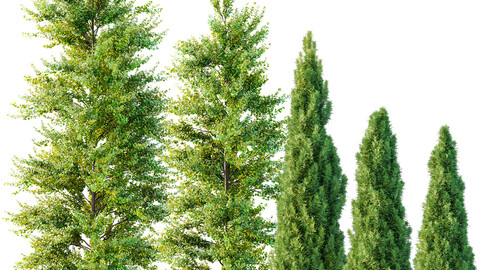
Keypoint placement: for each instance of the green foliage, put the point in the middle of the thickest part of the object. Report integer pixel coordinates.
(312, 186)
(382, 235)
(95, 177)
(222, 146)
(443, 242)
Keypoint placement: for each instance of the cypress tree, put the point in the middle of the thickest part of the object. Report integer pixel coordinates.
(222, 145)
(443, 242)
(94, 175)
(312, 186)
(381, 238)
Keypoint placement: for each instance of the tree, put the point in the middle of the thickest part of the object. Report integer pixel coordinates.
(312, 186)
(97, 183)
(443, 242)
(222, 145)
(382, 235)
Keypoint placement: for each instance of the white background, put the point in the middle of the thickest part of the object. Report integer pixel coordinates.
(419, 59)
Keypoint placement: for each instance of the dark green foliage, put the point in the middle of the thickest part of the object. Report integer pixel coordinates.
(381, 238)
(97, 183)
(222, 146)
(312, 186)
(443, 242)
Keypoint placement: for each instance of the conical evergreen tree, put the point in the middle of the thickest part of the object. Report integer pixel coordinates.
(443, 236)
(312, 187)
(381, 238)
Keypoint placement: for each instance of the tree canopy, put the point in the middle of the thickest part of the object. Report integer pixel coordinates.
(312, 186)
(381, 237)
(222, 146)
(443, 241)
(95, 175)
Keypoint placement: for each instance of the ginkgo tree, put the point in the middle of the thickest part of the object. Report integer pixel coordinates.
(95, 175)
(222, 146)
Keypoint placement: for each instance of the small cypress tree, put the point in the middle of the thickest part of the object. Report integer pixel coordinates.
(312, 187)
(443, 242)
(382, 235)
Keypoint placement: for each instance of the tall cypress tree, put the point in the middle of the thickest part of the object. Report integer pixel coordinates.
(381, 238)
(95, 177)
(312, 186)
(443, 242)
(223, 144)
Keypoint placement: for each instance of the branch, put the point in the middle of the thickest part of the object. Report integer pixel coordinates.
(204, 131)
(219, 176)
(80, 246)
(235, 182)
(93, 204)
(86, 246)
(224, 105)
(111, 228)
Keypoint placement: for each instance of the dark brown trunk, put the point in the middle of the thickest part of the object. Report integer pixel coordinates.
(226, 172)
(93, 29)
(93, 203)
